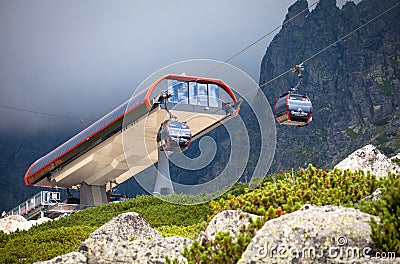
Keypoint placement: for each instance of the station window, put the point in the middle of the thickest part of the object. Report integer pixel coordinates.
(194, 93)
(202, 98)
(198, 94)
(179, 91)
(213, 95)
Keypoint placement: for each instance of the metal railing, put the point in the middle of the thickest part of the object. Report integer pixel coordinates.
(44, 198)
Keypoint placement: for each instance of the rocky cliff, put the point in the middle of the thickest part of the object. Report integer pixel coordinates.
(354, 85)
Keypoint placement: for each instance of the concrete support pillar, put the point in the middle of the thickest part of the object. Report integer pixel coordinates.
(92, 194)
(163, 182)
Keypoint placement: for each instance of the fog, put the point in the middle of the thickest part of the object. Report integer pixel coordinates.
(82, 58)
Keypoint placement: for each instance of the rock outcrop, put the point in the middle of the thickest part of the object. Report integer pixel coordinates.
(396, 157)
(229, 220)
(314, 234)
(369, 158)
(127, 238)
(376, 195)
(138, 251)
(124, 227)
(69, 258)
(13, 223)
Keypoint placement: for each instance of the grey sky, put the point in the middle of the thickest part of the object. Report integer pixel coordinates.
(83, 58)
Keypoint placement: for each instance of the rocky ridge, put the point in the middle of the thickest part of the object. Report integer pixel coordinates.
(369, 158)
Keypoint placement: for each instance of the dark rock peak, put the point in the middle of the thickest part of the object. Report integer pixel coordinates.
(327, 5)
(296, 8)
(349, 6)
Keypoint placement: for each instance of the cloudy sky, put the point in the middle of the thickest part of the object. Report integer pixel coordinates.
(83, 58)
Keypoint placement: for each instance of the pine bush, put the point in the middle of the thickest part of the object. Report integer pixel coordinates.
(386, 232)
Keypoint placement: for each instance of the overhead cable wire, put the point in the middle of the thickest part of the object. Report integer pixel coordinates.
(334, 43)
(263, 37)
(45, 113)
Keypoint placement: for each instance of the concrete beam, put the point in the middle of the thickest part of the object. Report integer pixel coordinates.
(163, 182)
(92, 195)
(71, 168)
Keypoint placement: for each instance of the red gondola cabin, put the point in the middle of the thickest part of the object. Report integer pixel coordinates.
(293, 110)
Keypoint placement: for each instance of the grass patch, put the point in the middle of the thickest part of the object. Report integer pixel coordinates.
(33, 245)
(386, 86)
(353, 134)
(190, 232)
(382, 138)
(381, 122)
(386, 233)
(322, 133)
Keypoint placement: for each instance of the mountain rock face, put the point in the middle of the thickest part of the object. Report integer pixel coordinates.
(369, 158)
(354, 85)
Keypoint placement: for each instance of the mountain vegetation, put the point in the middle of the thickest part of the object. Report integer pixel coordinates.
(277, 195)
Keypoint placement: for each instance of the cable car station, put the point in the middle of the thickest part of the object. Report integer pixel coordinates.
(166, 116)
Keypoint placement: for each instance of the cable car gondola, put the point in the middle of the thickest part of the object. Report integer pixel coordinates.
(174, 136)
(294, 109)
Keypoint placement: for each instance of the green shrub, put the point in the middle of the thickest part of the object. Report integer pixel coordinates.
(30, 246)
(148, 207)
(396, 160)
(287, 192)
(381, 122)
(190, 232)
(386, 233)
(277, 194)
(224, 249)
